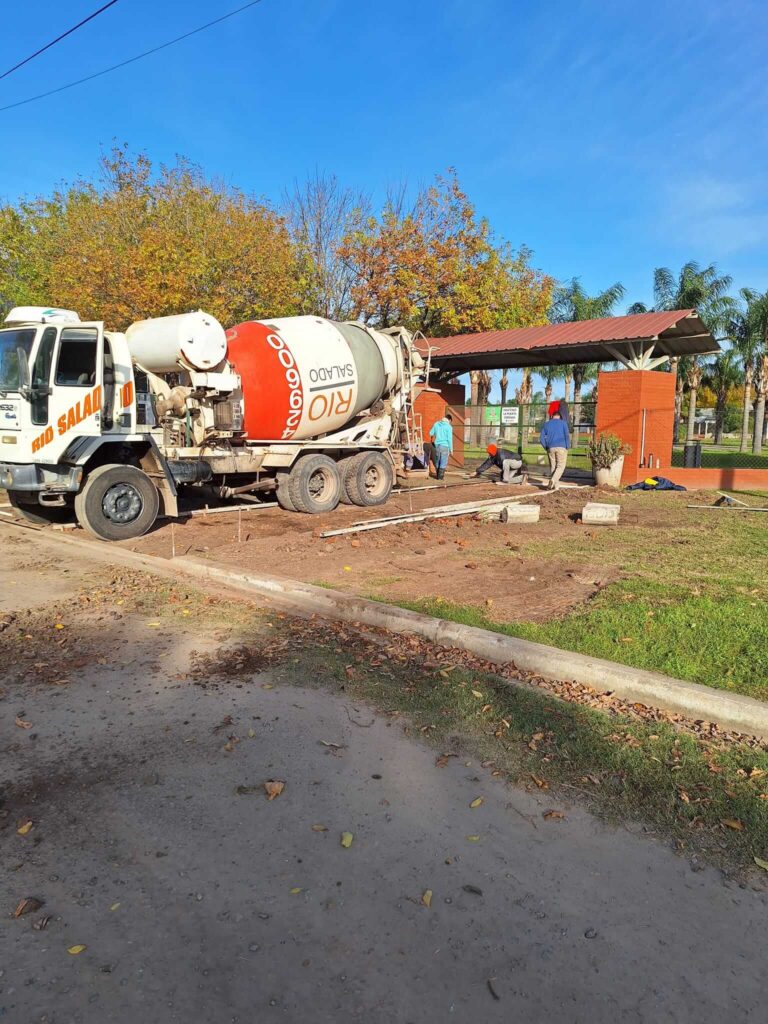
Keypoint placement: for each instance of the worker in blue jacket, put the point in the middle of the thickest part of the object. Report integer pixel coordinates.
(555, 440)
(442, 440)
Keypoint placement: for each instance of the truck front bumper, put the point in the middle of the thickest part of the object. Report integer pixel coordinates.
(32, 477)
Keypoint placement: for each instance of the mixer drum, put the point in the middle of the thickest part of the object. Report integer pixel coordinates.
(304, 376)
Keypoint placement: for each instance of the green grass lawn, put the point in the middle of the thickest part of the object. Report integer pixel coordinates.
(724, 458)
(690, 600)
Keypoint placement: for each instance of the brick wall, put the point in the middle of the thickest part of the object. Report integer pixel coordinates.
(433, 405)
(624, 399)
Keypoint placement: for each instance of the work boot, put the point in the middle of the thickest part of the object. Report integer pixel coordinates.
(440, 473)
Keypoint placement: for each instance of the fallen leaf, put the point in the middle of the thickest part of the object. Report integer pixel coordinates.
(27, 906)
(426, 898)
(484, 708)
(761, 863)
(346, 839)
(76, 950)
(472, 839)
(273, 789)
(473, 890)
(114, 906)
(540, 782)
(25, 828)
(756, 773)
(553, 815)
(476, 802)
(251, 733)
(42, 923)
(267, 686)
(733, 823)
(347, 568)
(476, 693)
(442, 760)
(296, 890)
(22, 724)
(319, 828)
(59, 625)
(153, 624)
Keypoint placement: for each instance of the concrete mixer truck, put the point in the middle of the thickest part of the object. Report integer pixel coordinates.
(114, 428)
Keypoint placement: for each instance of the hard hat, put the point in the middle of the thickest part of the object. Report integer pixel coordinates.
(491, 449)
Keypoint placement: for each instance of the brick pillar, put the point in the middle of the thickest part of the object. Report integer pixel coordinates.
(433, 405)
(624, 399)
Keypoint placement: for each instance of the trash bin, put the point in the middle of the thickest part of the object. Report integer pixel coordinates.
(692, 455)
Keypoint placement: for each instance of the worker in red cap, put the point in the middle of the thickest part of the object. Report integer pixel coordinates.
(510, 464)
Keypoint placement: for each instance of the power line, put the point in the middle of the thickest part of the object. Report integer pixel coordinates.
(131, 60)
(57, 39)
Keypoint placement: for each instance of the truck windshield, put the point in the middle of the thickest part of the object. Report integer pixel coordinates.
(10, 343)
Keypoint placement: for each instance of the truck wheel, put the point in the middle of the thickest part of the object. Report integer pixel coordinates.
(283, 492)
(368, 479)
(41, 515)
(314, 484)
(117, 503)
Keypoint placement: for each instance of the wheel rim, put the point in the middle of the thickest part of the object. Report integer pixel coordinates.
(320, 485)
(122, 503)
(373, 480)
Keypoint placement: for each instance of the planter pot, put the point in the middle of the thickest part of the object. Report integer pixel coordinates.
(610, 477)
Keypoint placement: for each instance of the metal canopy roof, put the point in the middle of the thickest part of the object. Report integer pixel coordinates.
(639, 341)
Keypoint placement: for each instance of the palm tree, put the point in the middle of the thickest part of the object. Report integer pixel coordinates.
(503, 385)
(706, 291)
(722, 375)
(570, 302)
(746, 336)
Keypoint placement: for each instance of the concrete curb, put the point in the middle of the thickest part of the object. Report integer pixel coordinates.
(729, 711)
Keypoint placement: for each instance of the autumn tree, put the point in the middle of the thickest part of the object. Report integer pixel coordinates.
(435, 267)
(136, 244)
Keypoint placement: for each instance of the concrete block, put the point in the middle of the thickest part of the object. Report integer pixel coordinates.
(520, 514)
(595, 513)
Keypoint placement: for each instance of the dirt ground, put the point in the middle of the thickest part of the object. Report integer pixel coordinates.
(171, 889)
(466, 559)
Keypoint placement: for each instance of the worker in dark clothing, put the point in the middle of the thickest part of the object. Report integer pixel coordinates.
(510, 464)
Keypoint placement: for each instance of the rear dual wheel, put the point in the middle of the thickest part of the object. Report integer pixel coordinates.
(368, 479)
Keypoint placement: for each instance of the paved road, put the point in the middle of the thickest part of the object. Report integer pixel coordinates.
(199, 904)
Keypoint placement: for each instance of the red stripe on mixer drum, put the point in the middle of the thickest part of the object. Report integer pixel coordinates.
(273, 395)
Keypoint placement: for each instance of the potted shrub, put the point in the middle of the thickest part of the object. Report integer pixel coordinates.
(607, 454)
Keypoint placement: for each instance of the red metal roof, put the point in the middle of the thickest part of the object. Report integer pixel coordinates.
(677, 332)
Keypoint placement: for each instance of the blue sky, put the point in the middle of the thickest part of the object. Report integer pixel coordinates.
(608, 137)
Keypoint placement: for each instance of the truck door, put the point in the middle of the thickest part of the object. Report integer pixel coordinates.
(77, 385)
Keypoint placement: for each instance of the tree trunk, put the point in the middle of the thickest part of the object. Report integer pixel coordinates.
(576, 409)
(474, 412)
(548, 391)
(504, 384)
(757, 436)
(693, 392)
(568, 388)
(746, 403)
(720, 418)
(674, 367)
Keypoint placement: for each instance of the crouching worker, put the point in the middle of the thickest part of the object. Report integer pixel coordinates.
(442, 441)
(510, 463)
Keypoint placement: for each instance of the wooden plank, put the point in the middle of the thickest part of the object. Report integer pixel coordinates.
(727, 508)
(230, 508)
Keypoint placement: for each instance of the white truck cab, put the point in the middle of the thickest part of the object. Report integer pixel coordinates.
(63, 381)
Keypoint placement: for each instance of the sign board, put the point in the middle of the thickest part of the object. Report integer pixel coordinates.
(510, 415)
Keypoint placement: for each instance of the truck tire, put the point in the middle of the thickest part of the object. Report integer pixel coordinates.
(117, 503)
(368, 479)
(314, 484)
(41, 515)
(283, 492)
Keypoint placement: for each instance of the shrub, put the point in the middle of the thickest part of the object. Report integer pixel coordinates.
(606, 449)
